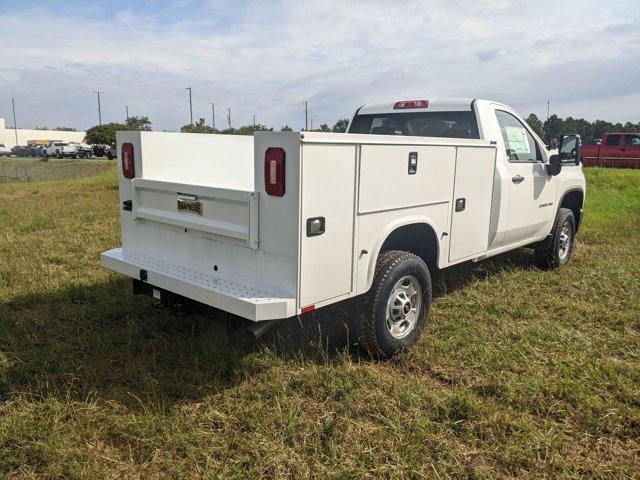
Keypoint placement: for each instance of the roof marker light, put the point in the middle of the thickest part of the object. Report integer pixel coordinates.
(411, 104)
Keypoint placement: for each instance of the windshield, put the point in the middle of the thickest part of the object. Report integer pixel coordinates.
(420, 124)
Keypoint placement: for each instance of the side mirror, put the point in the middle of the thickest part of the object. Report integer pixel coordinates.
(553, 144)
(570, 150)
(554, 167)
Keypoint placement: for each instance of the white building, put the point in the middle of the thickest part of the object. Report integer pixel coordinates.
(8, 135)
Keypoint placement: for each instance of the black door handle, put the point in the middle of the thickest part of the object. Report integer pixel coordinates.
(517, 179)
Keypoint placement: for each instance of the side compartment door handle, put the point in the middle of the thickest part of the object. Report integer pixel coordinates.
(315, 226)
(517, 179)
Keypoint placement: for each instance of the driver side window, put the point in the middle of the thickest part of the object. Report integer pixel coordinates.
(519, 143)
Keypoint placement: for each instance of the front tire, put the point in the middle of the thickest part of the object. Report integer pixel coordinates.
(562, 241)
(396, 307)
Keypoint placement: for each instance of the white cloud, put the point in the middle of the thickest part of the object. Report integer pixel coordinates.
(264, 59)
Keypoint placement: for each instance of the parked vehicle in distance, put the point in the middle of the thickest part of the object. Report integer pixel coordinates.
(111, 152)
(24, 151)
(284, 223)
(4, 151)
(614, 150)
(98, 150)
(84, 150)
(60, 150)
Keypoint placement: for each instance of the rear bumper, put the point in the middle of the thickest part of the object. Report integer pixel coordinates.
(252, 303)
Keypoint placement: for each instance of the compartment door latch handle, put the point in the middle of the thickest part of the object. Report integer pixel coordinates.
(315, 226)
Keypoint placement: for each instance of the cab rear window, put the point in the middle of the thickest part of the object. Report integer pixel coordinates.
(419, 124)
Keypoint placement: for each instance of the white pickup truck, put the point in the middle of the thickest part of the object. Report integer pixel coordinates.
(283, 223)
(61, 150)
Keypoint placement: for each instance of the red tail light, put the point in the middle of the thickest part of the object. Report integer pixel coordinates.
(411, 104)
(274, 171)
(128, 163)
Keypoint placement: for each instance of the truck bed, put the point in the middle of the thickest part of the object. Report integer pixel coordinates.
(250, 253)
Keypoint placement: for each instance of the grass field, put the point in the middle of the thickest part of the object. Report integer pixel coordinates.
(520, 373)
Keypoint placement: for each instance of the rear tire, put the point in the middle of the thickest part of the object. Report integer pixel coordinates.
(396, 308)
(562, 241)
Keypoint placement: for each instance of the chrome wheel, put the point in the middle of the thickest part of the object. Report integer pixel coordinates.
(403, 307)
(564, 243)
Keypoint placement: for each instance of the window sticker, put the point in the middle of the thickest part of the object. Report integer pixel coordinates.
(517, 139)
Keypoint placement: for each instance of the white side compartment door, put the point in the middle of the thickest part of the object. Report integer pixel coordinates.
(471, 204)
(328, 192)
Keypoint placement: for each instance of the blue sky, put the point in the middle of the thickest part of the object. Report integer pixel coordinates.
(264, 58)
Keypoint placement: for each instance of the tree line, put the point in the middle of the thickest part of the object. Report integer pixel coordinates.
(106, 133)
(553, 127)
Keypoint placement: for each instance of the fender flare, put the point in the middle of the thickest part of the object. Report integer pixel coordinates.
(567, 192)
(389, 229)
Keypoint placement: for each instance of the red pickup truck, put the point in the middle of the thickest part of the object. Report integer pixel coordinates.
(615, 150)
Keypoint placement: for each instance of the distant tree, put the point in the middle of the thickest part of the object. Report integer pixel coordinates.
(536, 125)
(286, 128)
(139, 123)
(40, 128)
(104, 134)
(324, 128)
(553, 127)
(249, 129)
(198, 127)
(65, 129)
(340, 126)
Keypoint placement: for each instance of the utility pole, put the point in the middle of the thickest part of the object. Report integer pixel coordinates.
(99, 107)
(15, 124)
(190, 105)
(254, 120)
(126, 107)
(312, 124)
(229, 117)
(213, 115)
(547, 109)
(306, 115)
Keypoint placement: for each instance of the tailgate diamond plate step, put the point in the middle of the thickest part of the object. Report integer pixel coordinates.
(244, 300)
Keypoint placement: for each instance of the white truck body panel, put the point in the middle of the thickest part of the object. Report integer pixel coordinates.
(251, 254)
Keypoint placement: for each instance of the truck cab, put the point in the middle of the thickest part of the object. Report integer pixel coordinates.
(620, 150)
(284, 223)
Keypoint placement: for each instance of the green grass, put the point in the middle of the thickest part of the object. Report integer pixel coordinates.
(521, 373)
